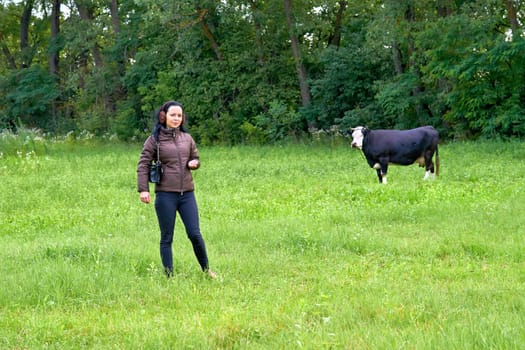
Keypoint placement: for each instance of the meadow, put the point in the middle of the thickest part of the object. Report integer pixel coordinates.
(311, 251)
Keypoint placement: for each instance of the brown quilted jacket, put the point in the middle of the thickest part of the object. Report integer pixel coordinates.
(177, 148)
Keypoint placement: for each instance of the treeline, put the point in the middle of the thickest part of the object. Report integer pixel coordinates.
(259, 71)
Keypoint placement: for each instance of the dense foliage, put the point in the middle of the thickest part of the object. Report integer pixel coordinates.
(261, 71)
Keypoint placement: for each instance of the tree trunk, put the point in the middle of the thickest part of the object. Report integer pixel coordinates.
(335, 39)
(54, 55)
(421, 107)
(25, 22)
(118, 93)
(86, 14)
(7, 53)
(115, 19)
(107, 105)
(397, 58)
(209, 35)
(83, 69)
(55, 30)
(257, 29)
(513, 18)
(301, 71)
(444, 8)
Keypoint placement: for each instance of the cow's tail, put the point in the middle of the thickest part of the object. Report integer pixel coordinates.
(437, 161)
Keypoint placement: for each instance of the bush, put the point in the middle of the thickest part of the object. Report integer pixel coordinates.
(28, 95)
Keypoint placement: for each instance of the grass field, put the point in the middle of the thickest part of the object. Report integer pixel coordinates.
(312, 252)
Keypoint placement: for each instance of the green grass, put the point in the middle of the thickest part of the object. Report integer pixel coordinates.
(312, 252)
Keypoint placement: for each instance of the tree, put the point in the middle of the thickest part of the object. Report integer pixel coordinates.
(263, 71)
(335, 37)
(25, 22)
(54, 50)
(7, 29)
(301, 71)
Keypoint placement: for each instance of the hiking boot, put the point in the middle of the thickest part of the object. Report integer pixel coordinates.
(211, 274)
(168, 272)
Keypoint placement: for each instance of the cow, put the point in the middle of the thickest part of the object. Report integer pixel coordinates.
(401, 147)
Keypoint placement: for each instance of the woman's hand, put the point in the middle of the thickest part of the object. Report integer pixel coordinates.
(193, 164)
(145, 197)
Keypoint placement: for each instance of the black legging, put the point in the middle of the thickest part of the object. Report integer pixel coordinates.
(167, 204)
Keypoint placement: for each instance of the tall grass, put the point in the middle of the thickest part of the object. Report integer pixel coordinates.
(311, 251)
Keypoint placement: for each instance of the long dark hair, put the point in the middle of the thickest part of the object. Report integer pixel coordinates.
(160, 117)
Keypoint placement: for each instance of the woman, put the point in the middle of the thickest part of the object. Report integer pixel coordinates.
(179, 156)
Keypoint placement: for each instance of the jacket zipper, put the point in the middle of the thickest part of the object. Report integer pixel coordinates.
(176, 134)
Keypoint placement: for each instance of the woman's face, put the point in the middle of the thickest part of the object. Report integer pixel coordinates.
(174, 117)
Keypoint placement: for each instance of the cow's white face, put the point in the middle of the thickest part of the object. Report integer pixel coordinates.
(357, 137)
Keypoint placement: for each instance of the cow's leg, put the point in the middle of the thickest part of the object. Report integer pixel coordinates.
(429, 165)
(379, 175)
(384, 168)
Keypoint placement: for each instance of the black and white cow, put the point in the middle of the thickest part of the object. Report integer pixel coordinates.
(402, 147)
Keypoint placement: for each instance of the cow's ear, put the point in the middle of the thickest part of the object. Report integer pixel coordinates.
(365, 130)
